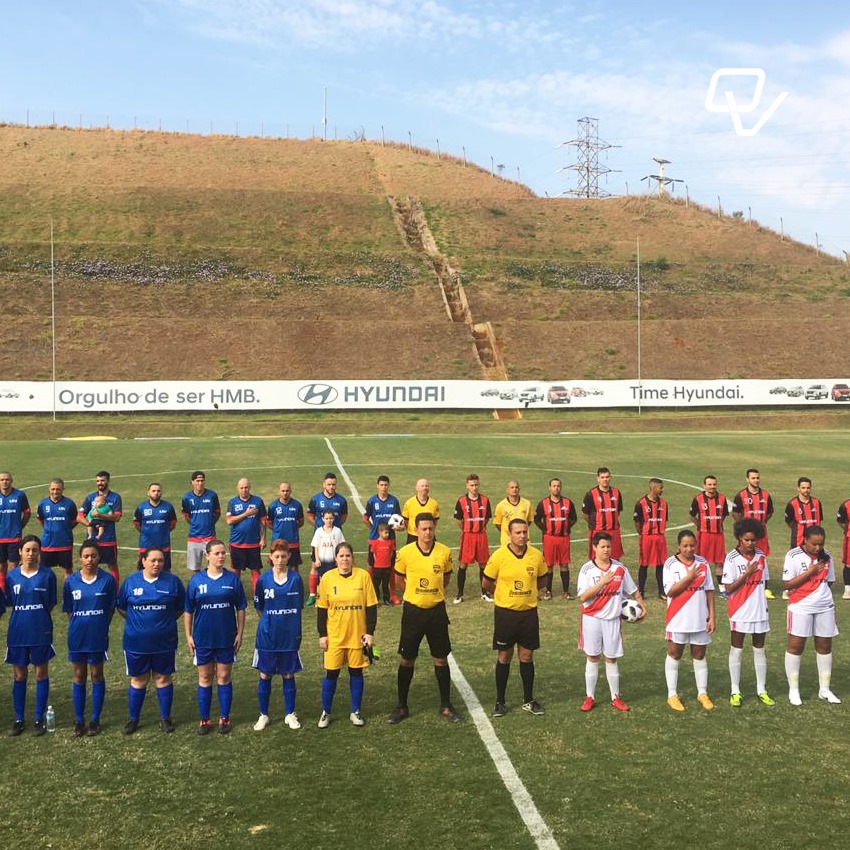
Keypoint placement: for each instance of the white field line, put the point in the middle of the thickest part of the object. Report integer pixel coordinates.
(531, 817)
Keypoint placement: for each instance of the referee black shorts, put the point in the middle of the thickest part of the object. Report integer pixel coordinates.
(429, 623)
(515, 628)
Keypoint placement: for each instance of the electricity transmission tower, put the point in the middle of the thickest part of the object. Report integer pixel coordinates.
(588, 169)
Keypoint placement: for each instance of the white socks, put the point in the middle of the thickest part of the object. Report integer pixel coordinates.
(671, 674)
(735, 668)
(612, 674)
(701, 676)
(591, 676)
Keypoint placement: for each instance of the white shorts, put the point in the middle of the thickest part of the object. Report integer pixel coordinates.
(195, 553)
(821, 624)
(600, 637)
(750, 627)
(702, 638)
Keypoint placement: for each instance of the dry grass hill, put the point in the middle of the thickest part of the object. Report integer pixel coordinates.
(181, 256)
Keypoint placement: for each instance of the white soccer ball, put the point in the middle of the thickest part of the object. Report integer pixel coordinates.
(396, 522)
(631, 611)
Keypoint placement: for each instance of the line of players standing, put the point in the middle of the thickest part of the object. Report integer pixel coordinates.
(249, 520)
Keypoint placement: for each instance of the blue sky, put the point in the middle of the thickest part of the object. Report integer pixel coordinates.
(507, 81)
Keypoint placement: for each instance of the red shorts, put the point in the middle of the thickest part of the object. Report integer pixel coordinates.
(845, 558)
(764, 545)
(556, 551)
(653, 550)
(474, 548)
(616, 543)
(711, 545)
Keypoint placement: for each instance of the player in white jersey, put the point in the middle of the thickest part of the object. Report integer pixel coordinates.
(603, 585)
(745, 576)
(689, 588)
(807, 575)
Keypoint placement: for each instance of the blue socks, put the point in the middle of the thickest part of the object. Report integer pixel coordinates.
(42, 694)
(135, 701)
(204, 701)
(165, 696)
(225, 698)
(78, 692)
(356, 684)
(98, 695)
(19, 699)
(328, 691)
(289, 695)
(264, 694)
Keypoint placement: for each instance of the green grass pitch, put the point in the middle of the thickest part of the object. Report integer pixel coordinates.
(752, 777)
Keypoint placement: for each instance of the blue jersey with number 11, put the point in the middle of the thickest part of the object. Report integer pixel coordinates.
(213, 602)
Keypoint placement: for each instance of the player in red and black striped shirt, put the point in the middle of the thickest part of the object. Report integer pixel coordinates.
(843, 519)
(472, 513)
(555, 516)
(601, 509)
(709, 509)
(650, 518)
(802, 511)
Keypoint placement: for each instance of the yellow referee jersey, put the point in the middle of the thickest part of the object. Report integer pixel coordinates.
(515, 577)
(424, 574)
(413, 507)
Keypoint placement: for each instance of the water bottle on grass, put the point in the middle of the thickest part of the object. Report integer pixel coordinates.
(50, 719)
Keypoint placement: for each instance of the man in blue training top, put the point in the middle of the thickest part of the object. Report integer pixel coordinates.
(328, 499)
(155, 520)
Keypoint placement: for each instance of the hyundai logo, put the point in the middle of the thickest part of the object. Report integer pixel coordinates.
(317, 394)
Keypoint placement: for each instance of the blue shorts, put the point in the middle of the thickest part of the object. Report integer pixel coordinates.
(217, 655)
(139, 663)
(10, 552)
(277, 663)
(23, 656)
(88, 657)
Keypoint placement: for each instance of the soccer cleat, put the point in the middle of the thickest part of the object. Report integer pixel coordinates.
(39, 728)
(619, 705)
(769, 594)
(324, 720)
(166, 724)
(457, 600)
(829, 696)
(94, 729)
(130, 727)
(705, 701)
(291, 720)
(356, 719)
(499, 710)
(533, 707)
(204, 727)
(263, 721)
(675, 703)
(588, 704)
(794, 697)
(79, 730)
(311, 600)
(486, 597)
(17, 729)
(785, 595)
(566, 595)
(736, 700)
(225, 727)
(400, 712)
(395, 600)
(449, 713)
(547, 595)
(662, 597)
(387, 603)
(765, 699)
(846, 593)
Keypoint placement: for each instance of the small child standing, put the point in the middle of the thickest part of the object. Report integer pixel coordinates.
(381, 563)
(324, 543)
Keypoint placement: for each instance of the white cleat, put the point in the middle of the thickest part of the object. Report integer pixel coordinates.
(829, 696)
(292, 721)
(356, 719)
(324, 720)
(794, 697)
(262, 722)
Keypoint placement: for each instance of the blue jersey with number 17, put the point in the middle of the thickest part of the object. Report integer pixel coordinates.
(213, 602)
(90, 606)
(31, 599)
(279, 605)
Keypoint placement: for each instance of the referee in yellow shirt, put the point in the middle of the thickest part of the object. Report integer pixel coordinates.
(424, 569)
(514, 575)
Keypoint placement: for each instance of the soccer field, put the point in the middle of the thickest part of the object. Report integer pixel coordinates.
(748, 777)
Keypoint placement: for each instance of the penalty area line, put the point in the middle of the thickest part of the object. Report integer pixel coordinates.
(520, 797)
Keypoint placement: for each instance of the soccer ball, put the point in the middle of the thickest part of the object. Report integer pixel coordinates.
(396, 522)
(631, 611)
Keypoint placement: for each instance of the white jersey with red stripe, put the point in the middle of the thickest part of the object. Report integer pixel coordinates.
(813, 596)
(608, 603)
(747, 604)
(687, 612)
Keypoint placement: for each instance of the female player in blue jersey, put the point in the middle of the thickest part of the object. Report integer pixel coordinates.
(214, 621)
(30, 596)
(88, 598)
(151, 601)
(279, 600)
